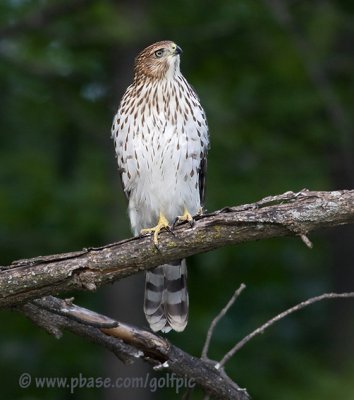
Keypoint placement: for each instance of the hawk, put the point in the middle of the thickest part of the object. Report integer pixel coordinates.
(161, 140)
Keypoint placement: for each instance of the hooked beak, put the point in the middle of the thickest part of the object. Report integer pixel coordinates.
(178, 50)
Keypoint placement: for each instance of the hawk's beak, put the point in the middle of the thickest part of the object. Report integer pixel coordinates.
(178, 50)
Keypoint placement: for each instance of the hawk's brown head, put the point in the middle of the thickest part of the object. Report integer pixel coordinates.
(158, 61)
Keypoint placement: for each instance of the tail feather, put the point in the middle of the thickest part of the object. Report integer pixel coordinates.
(166, 297)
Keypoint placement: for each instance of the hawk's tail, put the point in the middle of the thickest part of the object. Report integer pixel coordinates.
(166, 297)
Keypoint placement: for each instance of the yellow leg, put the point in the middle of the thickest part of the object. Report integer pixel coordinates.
(186, 217)
(162, 224)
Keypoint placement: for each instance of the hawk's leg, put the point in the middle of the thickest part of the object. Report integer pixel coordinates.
(162, 224)
(186, 217)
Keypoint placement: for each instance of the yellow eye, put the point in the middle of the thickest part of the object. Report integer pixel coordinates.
(159, 53)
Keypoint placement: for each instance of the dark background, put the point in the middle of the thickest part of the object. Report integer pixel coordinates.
(276, 80)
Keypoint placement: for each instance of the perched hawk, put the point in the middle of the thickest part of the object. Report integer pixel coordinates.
(161, 139)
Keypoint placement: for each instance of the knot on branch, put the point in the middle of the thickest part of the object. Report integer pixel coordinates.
(86, 279)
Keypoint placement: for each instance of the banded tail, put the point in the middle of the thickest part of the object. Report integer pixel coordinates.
(166, 297)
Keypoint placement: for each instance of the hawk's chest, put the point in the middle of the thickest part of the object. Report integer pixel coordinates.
(160, 135)
(163, 124)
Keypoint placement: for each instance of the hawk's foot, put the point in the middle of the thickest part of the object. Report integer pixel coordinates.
(162, 224)
(186, 217)
(200, 211)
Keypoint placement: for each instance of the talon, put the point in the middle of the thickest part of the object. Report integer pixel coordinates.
(175, 223)
(170, 229)
(186, 217)
(162, 224)
(200, 211)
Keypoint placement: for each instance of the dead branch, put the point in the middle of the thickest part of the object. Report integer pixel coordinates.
(221, 364)
(129, 343)
(289, 214)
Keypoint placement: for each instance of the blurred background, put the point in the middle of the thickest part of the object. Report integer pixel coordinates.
(276, 80)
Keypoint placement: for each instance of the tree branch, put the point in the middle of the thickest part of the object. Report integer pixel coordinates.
(130, 343)
(288, 214)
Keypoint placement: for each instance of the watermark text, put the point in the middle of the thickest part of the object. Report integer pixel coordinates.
(73, 383)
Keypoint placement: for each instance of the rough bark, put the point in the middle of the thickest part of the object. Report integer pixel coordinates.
(24, 283)
(288, 214)
(130, 343)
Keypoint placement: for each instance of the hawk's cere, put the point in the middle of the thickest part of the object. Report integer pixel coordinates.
(161, 140)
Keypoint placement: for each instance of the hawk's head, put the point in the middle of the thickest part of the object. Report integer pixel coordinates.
(158, 61)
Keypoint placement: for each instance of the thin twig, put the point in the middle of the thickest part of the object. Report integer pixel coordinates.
(306, 240)
(218, 318)
(280, 316)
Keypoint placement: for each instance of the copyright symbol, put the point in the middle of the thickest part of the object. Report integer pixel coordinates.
(24, 380)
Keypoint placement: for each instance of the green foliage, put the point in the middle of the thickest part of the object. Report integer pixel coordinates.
(60, 83)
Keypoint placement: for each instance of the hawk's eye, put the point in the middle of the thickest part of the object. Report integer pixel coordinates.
(159, 53)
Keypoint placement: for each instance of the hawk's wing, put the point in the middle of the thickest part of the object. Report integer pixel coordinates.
(126, 192)
(119, 138)
(123, 144)
(202, 179)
